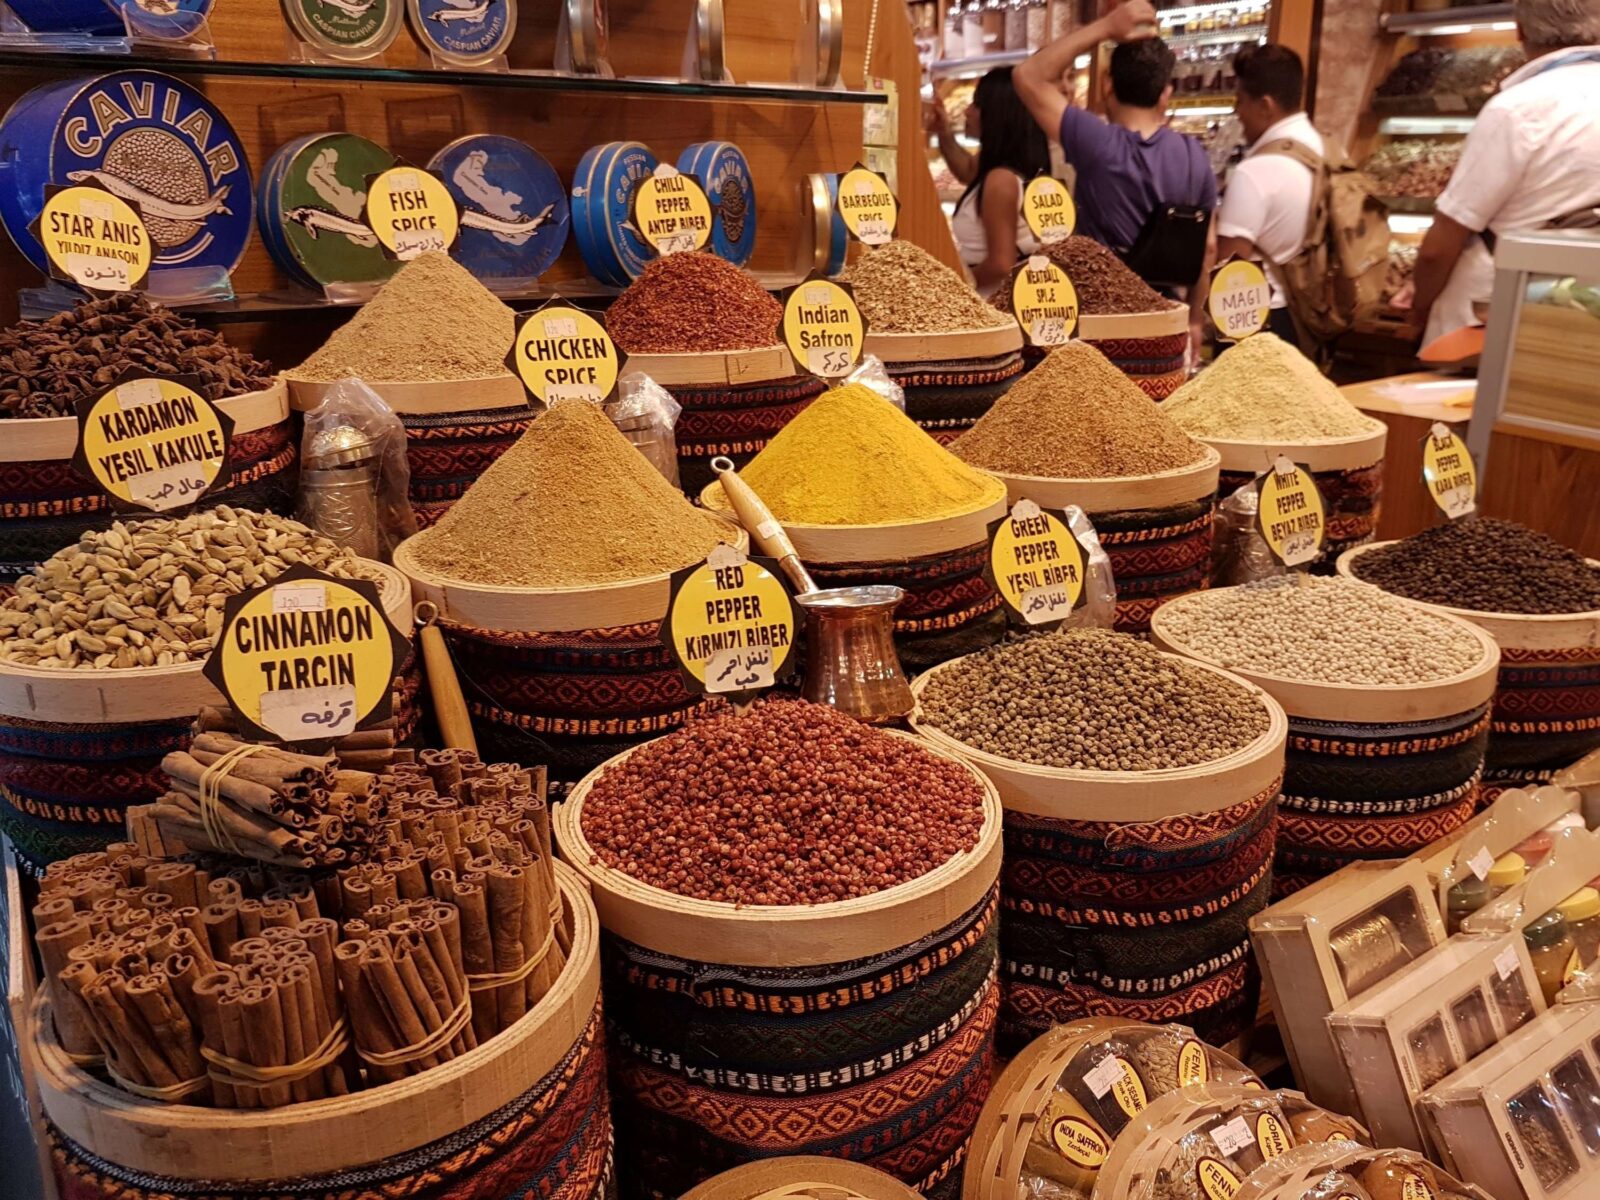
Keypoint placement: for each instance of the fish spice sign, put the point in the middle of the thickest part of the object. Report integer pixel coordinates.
(153, 442)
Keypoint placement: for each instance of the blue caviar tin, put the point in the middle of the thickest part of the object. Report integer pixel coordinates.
(312, 200)
(144, 136)
(514, 212)
(155, 18)
(602, 197)
(839, 241)
(466, 33)
(722, 171)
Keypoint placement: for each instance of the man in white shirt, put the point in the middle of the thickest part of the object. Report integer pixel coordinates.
(1531, 160)
(1268, 199)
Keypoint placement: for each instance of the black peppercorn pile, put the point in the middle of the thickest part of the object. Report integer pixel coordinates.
(47, 366)
(791, 803)
(1485, 565)
(1091, 700)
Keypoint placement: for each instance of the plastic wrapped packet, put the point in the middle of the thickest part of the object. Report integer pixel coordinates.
(1241, 553)
(1097, 608)
(354, 477)
(871, 373)
(647, 415)
(1335, 1172)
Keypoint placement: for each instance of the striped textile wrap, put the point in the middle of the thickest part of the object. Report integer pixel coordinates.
(1354, 500)
(552, 1142)
(1146, 921)
(1371, 791)
(448, 451)
(45, 505)
(947, 398)
(1157, 365)
(736, 421)
(1156, 554)
(1546, 715)
(884, 1060)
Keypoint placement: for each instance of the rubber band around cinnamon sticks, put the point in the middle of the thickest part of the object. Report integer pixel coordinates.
(432, 1044)
(239, 1074)
(210, 798)
(498, 979)
(166, 1095)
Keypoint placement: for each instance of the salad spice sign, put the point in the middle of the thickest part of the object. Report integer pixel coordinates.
(1048, 209)
(153, 443)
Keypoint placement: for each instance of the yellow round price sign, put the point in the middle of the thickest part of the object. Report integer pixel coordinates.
(1292, 516)
(671, 212)
(867, 206)
(823, 327)
(1036, 563)
(411, 212)
(308, 657)
(563, 353)
(1048, 209)
(1044, 302)
(97, 240)
(1240, 299)
(1448, 470)
(1216, 1180)
(731, 623)
(153, 442)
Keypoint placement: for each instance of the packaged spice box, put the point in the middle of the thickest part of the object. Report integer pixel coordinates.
(1573, 861)
(1516, 815)
(1342, 1172)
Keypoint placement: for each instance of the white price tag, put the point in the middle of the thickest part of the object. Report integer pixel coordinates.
(1042, 605)
(1233, 1136)
(829, 362)
(1048, 331)
(138, 391)
(308, 596)
(417, 241)
(1104, 1076)
(678, 243)
(739, 670)
(559, 327)
(558, 392)
(769, 529)
(303, 714)
(1506, 962)
(1481, 863)
(817, 295)
(100, 210)
(168, 487)
(105, 274)
(874, 231)
(402, 181)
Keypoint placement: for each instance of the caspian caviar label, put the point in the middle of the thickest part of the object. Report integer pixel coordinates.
(153, 442)
(308, 657)
(731, 623)
(1271, 1136)
(1193, 1065)
(1448, 471)
(1216, 1180)
(671, 211)
(823, 327)
(1415, 1187)
(1240, 299)
(341, 23)
(95, 239)
(563, 353)
(1038, 568)
(1044, 302)
(412, 211)
(867, 206)
(1048, 209)
(1291, 514)
(1079, 1142)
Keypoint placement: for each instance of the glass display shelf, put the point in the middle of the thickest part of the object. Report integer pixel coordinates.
(1446, 21)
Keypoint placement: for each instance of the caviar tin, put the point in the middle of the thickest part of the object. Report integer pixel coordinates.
(346, 29)
(68, 16)
(514, 212)
(144, 136)
(724, 174)
(463, 33)
(602, 196)
(838, 232)
(313, 194)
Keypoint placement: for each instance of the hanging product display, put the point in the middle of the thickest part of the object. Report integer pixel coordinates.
(602, 206)
(463, 33)
(514, 214)
(724, 173)
(313, 195)
(350, 31)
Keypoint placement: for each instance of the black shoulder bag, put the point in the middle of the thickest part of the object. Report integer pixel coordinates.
(1171, 248)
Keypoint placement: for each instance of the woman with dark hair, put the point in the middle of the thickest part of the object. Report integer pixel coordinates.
(990, 234)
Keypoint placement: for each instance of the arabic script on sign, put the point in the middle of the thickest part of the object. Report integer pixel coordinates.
(302, 714)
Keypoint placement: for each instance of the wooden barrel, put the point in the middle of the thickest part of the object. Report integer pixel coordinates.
(950, 379)
(526, 1113)
(79, 747)
(862, 1029)
(1149, 348)
(46, 504)
(802, 1177)
(1372, 771)
(1129, 893)
(1547, 694)
(1157, 530)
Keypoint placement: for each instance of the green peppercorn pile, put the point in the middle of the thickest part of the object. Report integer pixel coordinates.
(789, 803)
(1091, 700)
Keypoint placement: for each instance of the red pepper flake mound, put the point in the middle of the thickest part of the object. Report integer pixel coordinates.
(791, 803)
(692, 303)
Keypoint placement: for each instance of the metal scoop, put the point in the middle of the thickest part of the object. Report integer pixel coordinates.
(851, 661)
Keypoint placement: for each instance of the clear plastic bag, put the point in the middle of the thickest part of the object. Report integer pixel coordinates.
(870, 372)
(1097, 608)
(1241, 554)
(647, 415)
(354, 478)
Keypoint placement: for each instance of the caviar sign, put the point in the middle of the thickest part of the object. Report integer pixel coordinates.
(1036, 565)
(93, 238)
(563, 353)
(307, 658)
(671, 212)
(1048, 209)
(412, 212)
(731, 623)
(867, 206)
(1448, 470)
(1291, 513)
(823, 327)
(1044, 302)
(153, 442)
(1240, 300)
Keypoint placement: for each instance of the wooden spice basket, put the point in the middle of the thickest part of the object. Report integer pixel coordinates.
(1512, 631)
(546, 610)
(1162, 322)
(1124, 493)
(478, 394)
(41, 438)
(802, 1177)
(116, 696)
(1124, 797)
(1361, 703)
(21, 984)
(323, 1136)
(1328, 454)
(790, 935)
(732, 368)
(955, 346)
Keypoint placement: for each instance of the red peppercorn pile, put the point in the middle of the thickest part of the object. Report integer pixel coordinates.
(693, 303)
(791, 803)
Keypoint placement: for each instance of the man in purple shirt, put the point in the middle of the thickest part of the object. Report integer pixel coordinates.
(1130, 162)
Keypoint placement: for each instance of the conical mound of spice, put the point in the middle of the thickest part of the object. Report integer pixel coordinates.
(693, 303)
(901, 288)
(1104, 283)
(1075, 416)
(852, 458)
(430, 323)
(571, 503)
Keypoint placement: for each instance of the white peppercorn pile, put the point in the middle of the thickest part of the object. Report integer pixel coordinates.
(1091, 700)
(1328, 630)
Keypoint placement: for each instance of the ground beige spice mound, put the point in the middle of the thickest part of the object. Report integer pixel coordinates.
(901, 288)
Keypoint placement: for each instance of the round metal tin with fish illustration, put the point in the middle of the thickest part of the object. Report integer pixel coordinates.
(724, 175)
(514, 213)
(602, 199)
(145, 137)
(68, 16)
(465, 33)
(312, 197)
(347, 29)
(163, 19)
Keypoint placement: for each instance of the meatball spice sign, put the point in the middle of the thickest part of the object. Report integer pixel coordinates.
(1048, 209)
(411, 212)
(153, 442)
(671, 211)
(307, 658)
(1291, 513)
(731, 623)
(1044, 302)
(1036, 564)
(1448, 471)
(823, 327)
(94, 239)
(563, 353)
(1240, 300)
(867, 206)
